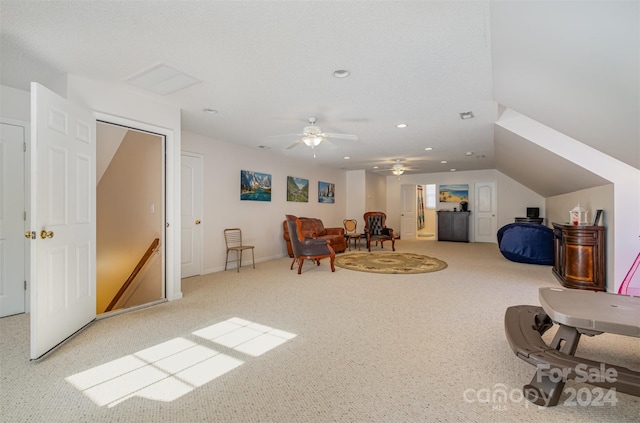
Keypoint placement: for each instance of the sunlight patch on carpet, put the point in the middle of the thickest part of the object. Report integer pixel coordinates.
(391, 263)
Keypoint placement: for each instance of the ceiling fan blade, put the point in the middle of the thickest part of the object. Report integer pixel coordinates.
(329, 144)
(286, 135)
(342, 136)
(294, 144)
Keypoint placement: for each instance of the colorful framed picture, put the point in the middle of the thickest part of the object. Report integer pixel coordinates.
(255, 186)
(297, 189)
(454, 193)
(326, 192)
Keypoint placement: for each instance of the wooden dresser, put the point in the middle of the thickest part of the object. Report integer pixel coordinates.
(579, 256)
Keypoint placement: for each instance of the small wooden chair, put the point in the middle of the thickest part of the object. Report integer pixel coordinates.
(350, 228)
(233, 240)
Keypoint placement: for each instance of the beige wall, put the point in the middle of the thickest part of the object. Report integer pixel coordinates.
(376, 193)
(260, 221)
(126, 224)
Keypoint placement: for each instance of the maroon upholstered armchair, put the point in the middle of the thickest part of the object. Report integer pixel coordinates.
(309, 248)
(375, 229)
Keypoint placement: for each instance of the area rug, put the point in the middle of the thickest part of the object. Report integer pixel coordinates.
(395, 263)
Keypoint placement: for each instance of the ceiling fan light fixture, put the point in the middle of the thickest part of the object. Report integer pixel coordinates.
(312, 141)
(397, 171)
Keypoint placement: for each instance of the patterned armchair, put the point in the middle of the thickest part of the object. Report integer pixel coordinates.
(375, 229)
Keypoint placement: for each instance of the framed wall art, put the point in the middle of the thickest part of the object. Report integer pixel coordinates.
(326, 192)
(255, 186)
(454, 193)
(297, 189)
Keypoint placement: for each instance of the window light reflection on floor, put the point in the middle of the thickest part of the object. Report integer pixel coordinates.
(174, 368)
(245, 336)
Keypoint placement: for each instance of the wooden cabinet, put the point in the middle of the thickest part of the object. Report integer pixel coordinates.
(453, 226)
(579, 256)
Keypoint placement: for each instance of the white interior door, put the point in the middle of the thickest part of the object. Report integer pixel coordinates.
(408, 222)
(486, 220)
(191, 256)
(63, 219)
(12, 219)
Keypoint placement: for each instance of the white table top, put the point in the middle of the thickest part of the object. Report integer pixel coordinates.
(591, 310)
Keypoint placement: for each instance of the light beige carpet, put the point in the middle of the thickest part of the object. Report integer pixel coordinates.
(336, 347)
(390, 263)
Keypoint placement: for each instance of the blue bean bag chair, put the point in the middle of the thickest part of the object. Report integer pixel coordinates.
(524, 242)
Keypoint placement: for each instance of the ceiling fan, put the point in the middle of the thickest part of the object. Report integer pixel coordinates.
(313, 136)
(398, 168)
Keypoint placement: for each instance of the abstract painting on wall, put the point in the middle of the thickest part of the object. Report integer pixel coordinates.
(326, 192)
(297, 189)
(454, 193)
(255, 186)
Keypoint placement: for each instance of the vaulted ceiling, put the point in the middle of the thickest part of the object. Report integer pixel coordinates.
(266, 67)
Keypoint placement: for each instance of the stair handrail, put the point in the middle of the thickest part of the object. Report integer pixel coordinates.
(147, 255)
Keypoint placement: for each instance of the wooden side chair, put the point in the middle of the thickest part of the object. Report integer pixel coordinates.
(375, 229)
(233, 240)
(350, 232)
(307, 248)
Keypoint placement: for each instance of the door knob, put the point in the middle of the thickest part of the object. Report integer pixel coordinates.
(198, 222)
(46, 234)
(28, 235)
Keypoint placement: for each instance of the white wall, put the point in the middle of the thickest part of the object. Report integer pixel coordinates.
(376, 189)
(625, 179)
(356, 200)
(573, 66)
(513, 198)
(15, 104)
(261, 222)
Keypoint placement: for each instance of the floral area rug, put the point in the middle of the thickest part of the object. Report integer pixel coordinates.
(394, 263)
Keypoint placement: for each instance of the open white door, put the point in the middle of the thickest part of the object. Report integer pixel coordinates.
(191, 257)
(408, 222)
(62, 219)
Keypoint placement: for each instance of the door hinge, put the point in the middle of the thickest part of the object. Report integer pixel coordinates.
(25, 216)
(24, 146)
(25, 285)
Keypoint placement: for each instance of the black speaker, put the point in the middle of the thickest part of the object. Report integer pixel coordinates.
(533, 212)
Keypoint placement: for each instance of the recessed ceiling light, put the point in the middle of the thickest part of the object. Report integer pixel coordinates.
(341, 73)
(210, 111)
(466, 115)
(443, 161)
(469, 153)
(401, 125)
(264, 147)
(347, 157)
(428, 148)
(453, 170)
(375, 167)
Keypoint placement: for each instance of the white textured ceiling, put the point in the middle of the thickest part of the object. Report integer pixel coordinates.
(267, 66)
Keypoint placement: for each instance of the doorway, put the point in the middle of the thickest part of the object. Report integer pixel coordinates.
(13, 279)
(130, 215)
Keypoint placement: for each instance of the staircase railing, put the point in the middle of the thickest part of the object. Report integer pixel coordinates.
(147, 255)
